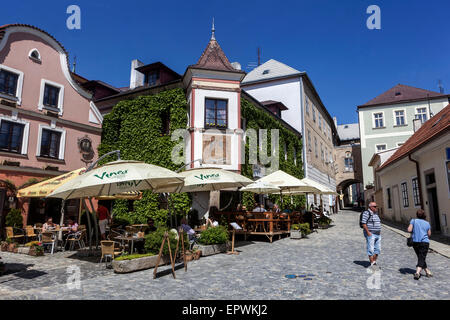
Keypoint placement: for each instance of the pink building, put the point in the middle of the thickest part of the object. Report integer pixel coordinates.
(48, 123)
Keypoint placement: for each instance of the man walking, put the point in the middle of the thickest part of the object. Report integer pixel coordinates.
(371, 224)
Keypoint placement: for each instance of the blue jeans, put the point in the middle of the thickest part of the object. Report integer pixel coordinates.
(373, 244)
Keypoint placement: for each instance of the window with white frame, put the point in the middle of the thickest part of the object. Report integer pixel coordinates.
(51, 142)
(378, 120)
(320, 121)
(321, 152)
(400, 117)
(314, 112)
(51, 96)
(348, 161)
(421, 113)
(11, 81)
(13, 134)
(415, 190)
(309, 140)
(404, 187)
(380, 147)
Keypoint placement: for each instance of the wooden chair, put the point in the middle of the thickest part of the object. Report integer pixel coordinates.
(108, 250)
(48, 238)
(10, 233)
(77, 237)
(29, 233)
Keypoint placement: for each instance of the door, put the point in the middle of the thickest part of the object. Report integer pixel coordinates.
(434, 209)
(396, 199)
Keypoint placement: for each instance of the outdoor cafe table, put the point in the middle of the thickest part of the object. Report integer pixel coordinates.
(129, 239)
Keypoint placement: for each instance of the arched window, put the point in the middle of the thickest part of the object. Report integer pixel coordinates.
(34, 55)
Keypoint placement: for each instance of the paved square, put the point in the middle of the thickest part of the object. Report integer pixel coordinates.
(334, 259)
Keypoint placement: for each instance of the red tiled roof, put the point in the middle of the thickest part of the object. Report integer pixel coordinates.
(402, 93)
(431, 129)
(213, 58)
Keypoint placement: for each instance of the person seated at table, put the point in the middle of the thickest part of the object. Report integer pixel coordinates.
(49, 225)
(287, 210)
(276, 208)
(72, 225)
(211, 221)
(241, 208)
(259, 208)
(192, 236)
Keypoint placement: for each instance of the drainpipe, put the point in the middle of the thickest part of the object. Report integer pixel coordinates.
(419, 180)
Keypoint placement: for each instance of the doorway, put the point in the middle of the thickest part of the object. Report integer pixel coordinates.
(396, 199)
(430, 181)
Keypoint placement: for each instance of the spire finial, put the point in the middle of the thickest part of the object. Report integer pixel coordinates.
(212, 31)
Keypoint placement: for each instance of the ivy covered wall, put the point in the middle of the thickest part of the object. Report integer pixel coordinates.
(138, 129)
(260, 119)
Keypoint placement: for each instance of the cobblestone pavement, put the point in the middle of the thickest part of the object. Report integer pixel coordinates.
(334, 259)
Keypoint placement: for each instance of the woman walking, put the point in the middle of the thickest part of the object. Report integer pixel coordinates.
(421, 232)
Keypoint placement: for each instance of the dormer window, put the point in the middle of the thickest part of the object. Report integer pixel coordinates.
(152, 78)
(266, 71)
(35, 55)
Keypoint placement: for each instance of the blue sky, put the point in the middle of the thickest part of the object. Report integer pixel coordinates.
(348, 63)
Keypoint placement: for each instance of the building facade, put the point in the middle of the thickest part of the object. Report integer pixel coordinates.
(387, 121)
(348, 165)
(305, 112)
(48, 123)
(417, 175)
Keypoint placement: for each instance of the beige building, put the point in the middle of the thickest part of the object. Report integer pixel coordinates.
(417, 175)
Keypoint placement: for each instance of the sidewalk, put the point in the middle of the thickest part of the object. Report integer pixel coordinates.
(438, 247)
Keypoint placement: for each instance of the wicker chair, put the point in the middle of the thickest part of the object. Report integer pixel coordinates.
(77, 237)
(10, 233)
(48, 238)
(109, 250)
(29, 233)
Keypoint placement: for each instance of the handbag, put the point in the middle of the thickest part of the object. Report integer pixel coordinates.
(409, 241)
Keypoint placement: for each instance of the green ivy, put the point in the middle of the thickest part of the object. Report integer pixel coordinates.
(135, 128)
(260, 119)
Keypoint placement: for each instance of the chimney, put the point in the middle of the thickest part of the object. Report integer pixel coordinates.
(236, 65)
(137, 78)
(417, 123)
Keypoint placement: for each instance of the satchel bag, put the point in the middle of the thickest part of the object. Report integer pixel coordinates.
(409, 241)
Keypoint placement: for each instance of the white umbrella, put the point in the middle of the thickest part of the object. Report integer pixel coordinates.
(119, 177)
(211, 179)
(323, 189)
(287, 183)
(261, 188)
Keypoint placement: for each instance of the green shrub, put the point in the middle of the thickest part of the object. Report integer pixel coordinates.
(324, 221)
(295, 226)
(154, 239)
(133, 256)
(14, 218)
(304, 229)
(214, 235)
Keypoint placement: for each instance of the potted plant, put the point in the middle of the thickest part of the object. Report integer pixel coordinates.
(12, 246)
(4, 246)
(295, 231)
(213, 240)
(36, 248)
(304, 229)
(324, 222)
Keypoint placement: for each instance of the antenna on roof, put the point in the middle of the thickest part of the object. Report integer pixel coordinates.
(74, 63)
(441, 88)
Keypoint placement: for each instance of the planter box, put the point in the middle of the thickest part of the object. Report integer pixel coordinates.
(208, 250)
(4, 246)
(35, 253)
(126, 266)
(296, 234)
(23, 250)
(326, 226)
(12, 248)
(192, 255)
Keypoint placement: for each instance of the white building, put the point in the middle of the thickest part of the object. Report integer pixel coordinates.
(305, 112)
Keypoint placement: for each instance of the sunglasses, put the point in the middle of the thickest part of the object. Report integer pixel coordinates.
(373, 206)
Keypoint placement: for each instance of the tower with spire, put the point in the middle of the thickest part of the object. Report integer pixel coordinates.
(213, 92)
